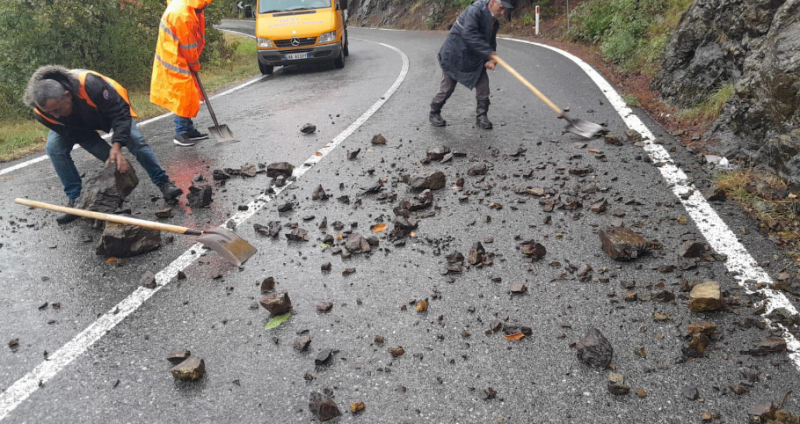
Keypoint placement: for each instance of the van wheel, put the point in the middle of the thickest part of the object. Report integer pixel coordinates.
(265, 69)
(339, 61)
(346, 44)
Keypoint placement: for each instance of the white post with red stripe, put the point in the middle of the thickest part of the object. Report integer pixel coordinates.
(537, 20)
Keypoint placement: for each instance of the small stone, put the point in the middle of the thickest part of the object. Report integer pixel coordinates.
(319, 194)
(701, 327)
(354, 154)
(432, 181)
(421, 306)
(348, 271)
(285, 169)
(324, 306)
(691, 249)
(612, 140)
(323, 407)
(200, 196)
(438, 153)
(599, 206)
(518, 288)
(297, 234)
(766, 346)
(277, 303)
(356, 407)
(13, 343)
(379, 339)
(308, 129)
(396, 351)
(326, 266)
(594, 349)
(378, 140)
(323, 357)
(622, 243)
(690, 393)
(301, 343)
(696, 347)
(268, 284)
(616, 384)
(478, 169)
(489, 393)
(191, 369)
(533, 249)
(179, 356)
(164, 213)
(705, 297)
(706, 417)
(148, 280)
(285, 207)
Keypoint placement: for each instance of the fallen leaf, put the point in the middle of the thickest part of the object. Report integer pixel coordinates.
(276, 321)
(515, 337)
(318, 154)
(339, 236)
(412, 234)
(324, 245)
(112, 259)
(379, 228)
(594, 151)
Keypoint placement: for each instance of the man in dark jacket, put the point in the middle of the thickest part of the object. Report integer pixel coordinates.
(75, 104)
(464, 57)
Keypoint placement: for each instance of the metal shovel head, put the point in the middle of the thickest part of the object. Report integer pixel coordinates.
(228, 245)
(221, 133)
(583, 128)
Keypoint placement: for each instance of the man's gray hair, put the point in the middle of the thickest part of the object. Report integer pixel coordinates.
(47, 89)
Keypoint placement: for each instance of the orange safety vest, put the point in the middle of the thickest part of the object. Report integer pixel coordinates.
(181, 38)
(83, 95)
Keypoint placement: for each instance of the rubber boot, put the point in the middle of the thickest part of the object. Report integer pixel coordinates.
(435, 115)
(66, 218)
(481, 118)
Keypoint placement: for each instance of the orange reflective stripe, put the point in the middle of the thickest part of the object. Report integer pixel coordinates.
(117, 87)
(47, 118)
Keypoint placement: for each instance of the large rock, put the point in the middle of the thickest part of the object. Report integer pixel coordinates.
(753, 45)
(623, 244)
(106, 191)
(705, 297)
(123, 241)
(432, 181)
(200, 196)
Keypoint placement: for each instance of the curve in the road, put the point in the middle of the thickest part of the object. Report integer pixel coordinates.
(27, 385)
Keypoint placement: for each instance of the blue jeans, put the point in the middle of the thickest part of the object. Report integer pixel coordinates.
(183, 125)
(59, 149)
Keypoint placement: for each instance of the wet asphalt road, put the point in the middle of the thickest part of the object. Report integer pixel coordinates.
(250, 378)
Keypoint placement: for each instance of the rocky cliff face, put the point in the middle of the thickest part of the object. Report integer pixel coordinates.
(754, 44)
(398, 14)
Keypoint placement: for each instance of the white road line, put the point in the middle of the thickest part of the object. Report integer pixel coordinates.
(740, 263)
(38, 159)
(25, 386)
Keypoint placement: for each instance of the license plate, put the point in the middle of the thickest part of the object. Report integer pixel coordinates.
(294, 56)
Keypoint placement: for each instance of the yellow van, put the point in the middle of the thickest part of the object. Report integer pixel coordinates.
(292, 32)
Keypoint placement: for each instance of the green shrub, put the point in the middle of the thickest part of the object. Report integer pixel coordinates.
(100, 35)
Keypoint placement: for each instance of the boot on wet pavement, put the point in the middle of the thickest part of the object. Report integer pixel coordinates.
(169, 190)
(435, 115)
(481, 119)
(66, 218)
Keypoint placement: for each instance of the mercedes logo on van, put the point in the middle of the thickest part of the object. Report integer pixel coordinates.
(295, 41)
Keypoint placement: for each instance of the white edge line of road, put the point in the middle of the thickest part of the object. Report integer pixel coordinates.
(740, 263)
(28, 384)
(38, 159)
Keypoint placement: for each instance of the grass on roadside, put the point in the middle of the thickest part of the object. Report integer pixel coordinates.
(766, 198)
(709, 110)
(20, 137)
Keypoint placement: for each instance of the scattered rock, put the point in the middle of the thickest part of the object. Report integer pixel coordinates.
(633, 136)
(298, 234)
(533, 249)
(348, 271)
(272, 229)
(396, 351)
(612, 140)
(594, 349)
(599, 206)
(324, 306)
(696, 346)
(323, 407)
(148, 280)
(106, 191)
(438, 153)
(319, 194)
(705, 297)
(477, 254)
(164, 213)
(616, 384)
(378, 140)
(285, 207)
(323, 357)
(13, 343)
(623, 244)
(268, 284)
(354, 154)
(421, 306)
(692, 249)
(301, 343)
(277, 303)
(690, 393)
(356, 407)
(718, 195)
(248, 170)
(308, 129)
(766, 346)
(326, 266)
(123, 241)
(189, 370)
(355, 243)
(200, 196)
(432, 181)
(701, 327)
(285, 169)
(489, 393)
(518, 288)
(478, 169)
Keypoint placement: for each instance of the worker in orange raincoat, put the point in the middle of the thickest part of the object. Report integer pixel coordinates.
(181, 38)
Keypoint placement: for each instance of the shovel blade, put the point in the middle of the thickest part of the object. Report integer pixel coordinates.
(584, 128)
(228, 245)
(221, 133)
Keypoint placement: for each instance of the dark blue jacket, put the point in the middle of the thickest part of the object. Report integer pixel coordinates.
(470, 42)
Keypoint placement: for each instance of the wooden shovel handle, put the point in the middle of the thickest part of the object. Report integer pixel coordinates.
(112, 218)
(521, 79)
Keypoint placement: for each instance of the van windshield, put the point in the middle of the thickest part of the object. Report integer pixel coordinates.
(271, 6)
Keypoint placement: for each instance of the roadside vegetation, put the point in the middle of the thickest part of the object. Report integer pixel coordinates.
(114, 38)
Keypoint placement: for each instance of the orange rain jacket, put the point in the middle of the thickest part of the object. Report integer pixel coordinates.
(181, 38)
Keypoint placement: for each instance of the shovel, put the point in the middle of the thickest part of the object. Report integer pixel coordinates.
(221, 133)
(576, 126)
(228, 245)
